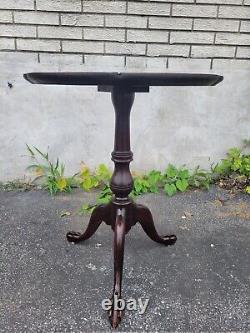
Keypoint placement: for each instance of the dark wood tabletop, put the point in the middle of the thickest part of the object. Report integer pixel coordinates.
(124, 79)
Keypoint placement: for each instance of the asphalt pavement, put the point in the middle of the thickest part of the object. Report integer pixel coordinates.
(201, 284)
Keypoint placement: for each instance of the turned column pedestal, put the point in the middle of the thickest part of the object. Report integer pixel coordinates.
(122, 213)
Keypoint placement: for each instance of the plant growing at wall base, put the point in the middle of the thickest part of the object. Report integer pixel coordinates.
(236, 167)
(51, 174)
(175, 179)
(88, 180)
(234, 170)
(236, 162)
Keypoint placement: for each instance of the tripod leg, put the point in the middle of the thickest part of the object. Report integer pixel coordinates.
(144, 217)
(100, 213)
(118, 248)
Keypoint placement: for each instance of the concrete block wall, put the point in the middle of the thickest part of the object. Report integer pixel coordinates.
(202, 29)
(142, 35)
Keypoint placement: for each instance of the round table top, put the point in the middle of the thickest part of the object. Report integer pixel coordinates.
(124, 79)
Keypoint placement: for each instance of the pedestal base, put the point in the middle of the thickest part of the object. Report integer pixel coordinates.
(121, 218)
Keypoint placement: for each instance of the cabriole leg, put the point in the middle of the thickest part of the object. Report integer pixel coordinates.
(144, 217)
(115, 314)
(100, 213)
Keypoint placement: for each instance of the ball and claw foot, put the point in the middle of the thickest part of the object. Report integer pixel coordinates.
(73, 236)
(169, 239)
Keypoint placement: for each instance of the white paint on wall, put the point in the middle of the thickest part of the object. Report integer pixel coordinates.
(191, 125)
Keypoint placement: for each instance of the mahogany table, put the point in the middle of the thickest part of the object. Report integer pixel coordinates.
(122, 213)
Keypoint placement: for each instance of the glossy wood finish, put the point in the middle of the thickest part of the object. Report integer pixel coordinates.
(124, 79)
(121, 213)
(99, 215)
(115, 315)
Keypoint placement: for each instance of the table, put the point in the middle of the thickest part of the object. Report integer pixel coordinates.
(122, 213)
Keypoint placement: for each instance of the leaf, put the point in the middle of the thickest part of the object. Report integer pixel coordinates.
(145, 185)
(153, 180)
(39, 171)
(61, 183)
(183, 174)
(57, 163)
(106, 190)
(182, 184)
(33, 166)
(45, 156)
(103, 173)
(104, 200)
(233, 152)
(153, 189)
(137, 185)
(62, 168)
(171, 171)
(170, 189)
(84, 170)
(86, 184)
(247, 189)
(86, 209)
(223, 167)
(94, 181)
(236, 164)
(30, 150)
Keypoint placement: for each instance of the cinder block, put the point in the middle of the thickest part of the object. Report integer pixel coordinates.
(18, 57)
(245, 26)
(156, 62)
(7, 30)
(243, 52)
(221, 2)
(187, 64)
(59, 5)
(82, 20)
(216, 25)
(104, 34)
(104, 60)
(125, 48)
(194, 10)
(230, 64)
(7, 44)
(168, 50)
(60, 32)
(148, 36)
(180, 37)
(241, 12)
(5, 16)
(17, 4)
(232, 39)
(162, 9)
(173, 1)
(82, 47)
(114, 7)
(60, 59)
(146, 62)
(126, 21)
(170, 23)
(212, 51)
(38, 45)
(29, 17)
